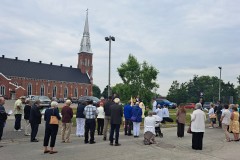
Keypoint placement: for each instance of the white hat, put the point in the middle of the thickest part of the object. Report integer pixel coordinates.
(116, 100)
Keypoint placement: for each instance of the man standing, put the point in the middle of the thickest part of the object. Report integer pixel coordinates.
(219, 113)
(35, 119)
(127, 116)
(18, 111)
(116, 114)
(3, 116)
(154, 105)
(67, 114)
(107, 116)
(91, 113)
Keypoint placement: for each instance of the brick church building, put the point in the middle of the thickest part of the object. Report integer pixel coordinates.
(24, 77)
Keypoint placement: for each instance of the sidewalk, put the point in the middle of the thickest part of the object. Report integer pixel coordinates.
(167, 148)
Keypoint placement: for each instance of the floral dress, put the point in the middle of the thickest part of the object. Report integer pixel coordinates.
(234, 126)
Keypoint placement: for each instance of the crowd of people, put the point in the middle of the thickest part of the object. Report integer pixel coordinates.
(111, 113)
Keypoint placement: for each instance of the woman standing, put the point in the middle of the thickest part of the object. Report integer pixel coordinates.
(136, 119)
(100, 119)
(51, 129)
(80, 119)
(181, 119)
(198, 118)
(27, 110)
(235, 124)
(212, 116)
(225, 119)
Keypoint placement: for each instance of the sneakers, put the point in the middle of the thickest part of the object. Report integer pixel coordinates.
(210, 127)
(27, 134)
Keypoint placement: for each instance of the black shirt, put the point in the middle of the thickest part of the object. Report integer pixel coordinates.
(107, 107)
(80, 110)
(27, 110)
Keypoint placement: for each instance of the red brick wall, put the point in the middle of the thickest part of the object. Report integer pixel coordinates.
(82, 57)
(4, 82)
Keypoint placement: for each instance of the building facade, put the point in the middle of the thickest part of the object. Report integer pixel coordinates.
(19, 77)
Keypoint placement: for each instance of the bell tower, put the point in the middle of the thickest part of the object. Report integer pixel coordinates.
(85, 52)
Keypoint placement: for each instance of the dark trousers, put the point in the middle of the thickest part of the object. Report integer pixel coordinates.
(128, 126)
(34, 132)
(197, 140)
(219, 120)
(158, 131)
(50, 131)
(90, 125)
(1, 129)
(18, 118)
(180, 129)
(114, 127)
(100, 122)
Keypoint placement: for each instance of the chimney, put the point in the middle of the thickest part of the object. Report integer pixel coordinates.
(71, 66)
(61, 65)
(51, 63)
(40, 62)
(16, 58)
(28, 60)
(3, 56)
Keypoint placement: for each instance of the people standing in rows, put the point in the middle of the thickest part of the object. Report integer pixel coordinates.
(67, 114)
(198, 118)
(18, 111)
(27, 110)
(107, 117)
(116, 113)
(100, 118)
(149, 129)
(90, 112)
(35, 119)
(51, 130)
(234, 127)
(225, 120)
(154, 104)
(136, 119)
(127, 115)
(3, 116)
(219, 113)
(212, 116)
(80, 119)
(166, 117)
(181, 119)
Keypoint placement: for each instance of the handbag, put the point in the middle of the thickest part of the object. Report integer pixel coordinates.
(189, 129)
(213, 116)
(53, 119)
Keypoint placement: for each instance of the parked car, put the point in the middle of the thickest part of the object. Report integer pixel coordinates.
(206, 105)
(189, 105)
(74, 99)
(95, 100)
(44, 101)
(166, 102)
(30, 96)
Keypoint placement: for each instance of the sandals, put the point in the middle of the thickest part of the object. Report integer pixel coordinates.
(46, 151)
(52, 152)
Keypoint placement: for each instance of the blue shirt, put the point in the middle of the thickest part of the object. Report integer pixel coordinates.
(127, 112)
(137, 112)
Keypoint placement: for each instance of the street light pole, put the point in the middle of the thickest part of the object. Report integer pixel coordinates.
(219, 98)
(110, 38)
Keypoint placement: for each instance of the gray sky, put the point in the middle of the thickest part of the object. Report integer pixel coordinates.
(181, 38)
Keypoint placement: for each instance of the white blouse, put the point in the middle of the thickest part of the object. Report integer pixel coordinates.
(149, 124)
(101, 113)
(198, 118)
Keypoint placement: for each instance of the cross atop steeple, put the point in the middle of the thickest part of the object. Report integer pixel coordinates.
(85, 45)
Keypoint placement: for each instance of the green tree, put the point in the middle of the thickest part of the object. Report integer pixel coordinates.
(138, 79)
(105, 92)
(96, 91)
(178, 93)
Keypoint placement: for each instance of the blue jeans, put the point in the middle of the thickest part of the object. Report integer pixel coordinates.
(114, 127)
(18, 118)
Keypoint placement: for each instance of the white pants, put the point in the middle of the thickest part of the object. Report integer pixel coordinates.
(136, 128)
(27, 126)
(80, 126)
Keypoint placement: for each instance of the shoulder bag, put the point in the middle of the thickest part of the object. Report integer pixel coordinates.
(53, 119)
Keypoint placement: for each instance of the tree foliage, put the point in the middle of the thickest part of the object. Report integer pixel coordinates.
(105, 92)
(138, 79)
(96, 91)
(209, 86)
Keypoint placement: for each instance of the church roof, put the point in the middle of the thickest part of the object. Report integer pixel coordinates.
(28, 69)
(85, 45)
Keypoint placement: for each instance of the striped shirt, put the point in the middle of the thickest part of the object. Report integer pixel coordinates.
(90, 112)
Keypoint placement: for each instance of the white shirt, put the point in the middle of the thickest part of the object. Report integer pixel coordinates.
(149, 124)
(198, 118)
(154, 105)
(226, 114)
(101, 113)
(165, 112)
(211, 111)
(159, 113)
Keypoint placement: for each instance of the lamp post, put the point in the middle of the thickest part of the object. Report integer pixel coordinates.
(219, 98)
(110, 38)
